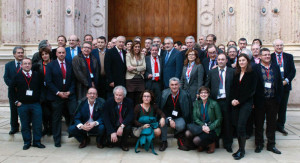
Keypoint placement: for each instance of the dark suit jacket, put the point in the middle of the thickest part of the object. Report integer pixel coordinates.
(289, 68)
(54, 80)
(259, 97)
(149, 71)
(69, 55)
(9, 73)
(243, 91)
(173, 67)
(213, 79)
(38, 67)
(95, 53)
(83, 112)
(115, 68)
(111, 114)
(196, 80)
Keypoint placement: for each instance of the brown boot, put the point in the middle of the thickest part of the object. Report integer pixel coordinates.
(200, 149)
(211, 147)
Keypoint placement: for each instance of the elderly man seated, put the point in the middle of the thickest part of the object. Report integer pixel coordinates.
(89, 119)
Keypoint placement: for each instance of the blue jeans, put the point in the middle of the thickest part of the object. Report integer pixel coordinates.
(31, 113)
(80, 135)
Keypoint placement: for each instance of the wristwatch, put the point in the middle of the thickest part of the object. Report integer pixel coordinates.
(16, 103)
(122, 126)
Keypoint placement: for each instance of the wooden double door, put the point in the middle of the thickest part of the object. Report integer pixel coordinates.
(149, 18)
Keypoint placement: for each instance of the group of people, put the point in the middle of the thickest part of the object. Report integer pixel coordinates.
(115, 90)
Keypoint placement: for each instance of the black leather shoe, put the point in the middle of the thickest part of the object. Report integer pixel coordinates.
(239, 155)
(57, 145)
(258, 149)
(124, 148)
(163, 146)
(11, 132)
(26, 146)
(274, 150)
(39, 145)
(285, 133)
(229, 149)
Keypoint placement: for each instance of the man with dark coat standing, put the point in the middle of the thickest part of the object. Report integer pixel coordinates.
(285, 61)
(86, 70)
(61, 91)
(115, 64)
(11, 70)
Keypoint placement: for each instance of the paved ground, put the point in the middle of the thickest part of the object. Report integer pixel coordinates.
(11, 149)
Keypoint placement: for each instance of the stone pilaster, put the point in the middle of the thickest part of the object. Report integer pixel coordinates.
(99, 18)
(12, 21)
(206, 17)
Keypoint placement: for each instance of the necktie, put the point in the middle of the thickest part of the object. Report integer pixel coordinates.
(121, 55)
(156, 69)
(28, 75)
(221, 81)
(120, 114)
(280, 65)
(167, 57)
(63, 70)
(18, 66)
(212, 64)
(73, 53)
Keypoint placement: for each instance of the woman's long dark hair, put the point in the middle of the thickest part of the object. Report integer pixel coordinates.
(151, 94)
(238, 67)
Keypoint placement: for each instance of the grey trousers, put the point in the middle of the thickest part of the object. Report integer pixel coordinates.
(180, 126)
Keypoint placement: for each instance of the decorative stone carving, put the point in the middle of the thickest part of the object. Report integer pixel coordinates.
(97, 19)
(206, 18)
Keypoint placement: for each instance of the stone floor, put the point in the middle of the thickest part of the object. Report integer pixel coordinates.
(11, 149)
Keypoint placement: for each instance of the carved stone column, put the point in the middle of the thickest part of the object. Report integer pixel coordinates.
(99, 18)
(205, 17)
(12, 18)
(53, 16)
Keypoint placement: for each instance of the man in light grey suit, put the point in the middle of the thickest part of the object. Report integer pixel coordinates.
(153, 72)
(219, 81)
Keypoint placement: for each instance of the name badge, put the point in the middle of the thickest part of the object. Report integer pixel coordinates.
(64, 81)
(281, 69)
(29, 93)
(222, 91)
(156, 74)
(268, 85)
(175, 113)
(44, 83)
(91, 74)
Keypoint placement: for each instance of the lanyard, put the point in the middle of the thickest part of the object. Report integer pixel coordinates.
(221, 77)
(174, 103)
(188, 71)
(267, 72)
(19, 69)
(28, 82)
(145, 110)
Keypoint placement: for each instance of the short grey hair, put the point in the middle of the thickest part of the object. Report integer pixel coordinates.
(190, 37)
(232, 47)
(120, 37)
(248, 52)
(274, 42)
(16, 48)
(122, 88)
(169, 38)
(174, 79)
(154, 45)
(157, 38)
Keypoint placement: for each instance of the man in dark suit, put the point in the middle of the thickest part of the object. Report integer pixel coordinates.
(99, 54)
(115, 64)
(211, 62)
(89, 119)
(255, 48)
(190, 43)
(267, 98)
(285, 61)
(11, 70)
(172, 62)
(220, 81)
(118, 116)
(26, 93)
(153, 73)
(74, 49)
(242, 43)
(61, 91)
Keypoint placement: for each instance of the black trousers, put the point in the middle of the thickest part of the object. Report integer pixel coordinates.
(282, 110)
(14, 125)
(156, 89)
(47, 120)
(269, 111)
(240, 117)
(57, 108)
(227, 129)
(122, 139)
(102, 88)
